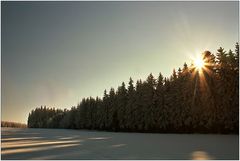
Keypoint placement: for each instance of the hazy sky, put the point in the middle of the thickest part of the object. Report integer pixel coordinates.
(56, 53)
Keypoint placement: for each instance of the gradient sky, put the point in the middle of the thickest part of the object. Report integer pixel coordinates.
(56, 53)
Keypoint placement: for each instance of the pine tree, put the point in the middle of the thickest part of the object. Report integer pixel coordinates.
(112, 117)
(159, 102)
(149, 105)
(106, 110)
(130, 105)
(138, 115)
(121, 106)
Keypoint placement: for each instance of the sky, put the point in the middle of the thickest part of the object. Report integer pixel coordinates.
(56, 53)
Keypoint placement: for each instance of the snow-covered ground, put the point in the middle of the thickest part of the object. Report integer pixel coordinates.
(81, 144)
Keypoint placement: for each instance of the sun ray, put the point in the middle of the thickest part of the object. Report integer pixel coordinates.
(199, 63)
(200, 69)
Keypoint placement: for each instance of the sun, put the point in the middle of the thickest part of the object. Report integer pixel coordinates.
(199, 63)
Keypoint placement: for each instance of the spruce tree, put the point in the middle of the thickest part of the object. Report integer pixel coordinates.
(121, 106)
(130, 105)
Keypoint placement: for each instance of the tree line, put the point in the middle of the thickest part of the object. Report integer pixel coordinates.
(191, 100)
(13, 124)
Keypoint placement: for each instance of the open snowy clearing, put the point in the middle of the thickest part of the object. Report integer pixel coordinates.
(81, 144)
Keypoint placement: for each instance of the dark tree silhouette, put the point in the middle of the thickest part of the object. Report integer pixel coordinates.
(189, 101)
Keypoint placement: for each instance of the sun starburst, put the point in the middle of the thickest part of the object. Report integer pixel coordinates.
(199, 63)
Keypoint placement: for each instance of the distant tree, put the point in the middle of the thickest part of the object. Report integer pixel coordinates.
(13, 124)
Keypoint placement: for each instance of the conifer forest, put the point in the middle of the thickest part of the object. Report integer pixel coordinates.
(191, 100)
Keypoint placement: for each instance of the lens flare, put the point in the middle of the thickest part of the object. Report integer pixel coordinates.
(199, 63)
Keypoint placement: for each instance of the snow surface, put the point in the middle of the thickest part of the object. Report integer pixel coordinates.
(82, 144)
